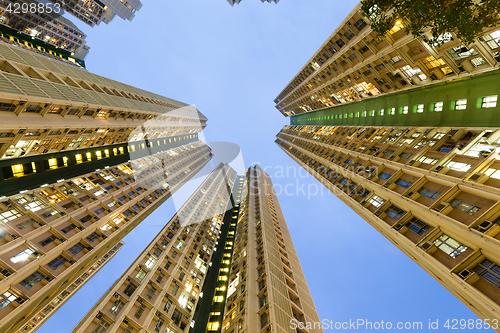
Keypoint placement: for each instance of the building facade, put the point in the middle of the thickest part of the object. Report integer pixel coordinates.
(160, 290)
(434, 192)
(53, 234)
(83, 160)
(355, 64)
(224, 263)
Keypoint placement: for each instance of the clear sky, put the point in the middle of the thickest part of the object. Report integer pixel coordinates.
(231, 62)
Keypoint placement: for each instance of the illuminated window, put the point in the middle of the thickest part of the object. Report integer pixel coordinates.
(404, 110)
(121, 150)
(115, 151)
(376, 201)
(489, 102)
(140, 275)
(461, 104)
(78, 158)
(428, 160)
(52, 163)
(21, 256)
(18, 170)
(420, 108)
(106, 152)
(438, 107)
(392, 111)
(9, 215)
(218, 299)
(397, 26)
(98, 154)
(6, 298)
(89, 156)
(222, 278)
(151, 262)
(449, 246)
(213, 326)
(106, 227)
(459, 166)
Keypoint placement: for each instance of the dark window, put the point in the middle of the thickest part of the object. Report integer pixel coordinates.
(54, 264)
(75, 249)
(47, 240)
(31, 280)
(68, 228)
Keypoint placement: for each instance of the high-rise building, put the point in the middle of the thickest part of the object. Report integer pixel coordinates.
(159, 291)
(434, 192)
(232, 2)
(355, 64)
(224, 263)
(52, 28)
(83, 160)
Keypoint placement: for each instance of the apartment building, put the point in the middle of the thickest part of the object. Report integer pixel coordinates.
(354, 64)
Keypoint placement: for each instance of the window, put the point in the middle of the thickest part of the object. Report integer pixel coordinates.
(406, 156)
(429, 193)
(385, 176)
(465, 207)
(395, 212)
(151, 262)
(75, 249)
(9, 215)
(93, 237)
(101, 327)
(438, 107)
(6, 298)
(56, 263)
(31, 280)
(403, 183)
(461, 104)
(139, 311)
(167, 306)
(459, 166)
(417, 226)
(26, 224)
(129, 290)
(404, 110)
(428, 160)
(489, 102)
(140, 275)
(477, 61)
(392, 111)
(151, 293)
(487, 270)
(449, 246)
(21, 256)
(376, 201)
(420, 108)
(116, 307)
(493, 40)
(68, 228)
(47, 240)
(175, 290)
(160, 277)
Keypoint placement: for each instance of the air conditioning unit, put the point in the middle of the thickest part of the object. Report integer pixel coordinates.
(378, 213)
(363, 202)
(116, 295)
(443, 207)
(387, 184)
(410, 194)
(20, 300)
(469, 276)
(48, 278)
(98, 316)
(465, 274)
(411, 162)
(438, 168)
(485, 225)
(479, 178)
(428, 247)
(5, 272)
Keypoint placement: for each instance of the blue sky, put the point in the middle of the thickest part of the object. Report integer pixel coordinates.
(231, 62)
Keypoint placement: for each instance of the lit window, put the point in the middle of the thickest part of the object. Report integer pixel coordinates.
(404, 110)
(392, 111)
(438, 107)
(9, 215)
(106, 227)
(21, 256)
(493, 173)
(121, 150)
(151, 262)
(140, 275)
(428, 160)
(98, 154)
(78, 158)
(52, 163)
(376, 201)
(449, 246)
(106, 152)
(459, 166)
(489, 102)
(381, 112)
(478, 61)
(18, 170)
(6, 298)
(420, 108)
(218, 299)
(461, 104)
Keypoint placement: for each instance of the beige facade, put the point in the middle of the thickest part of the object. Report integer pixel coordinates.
(267, 288)
(38, 319)
(56, 232)
(354, 64)
(433, 192)
(160, 290)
